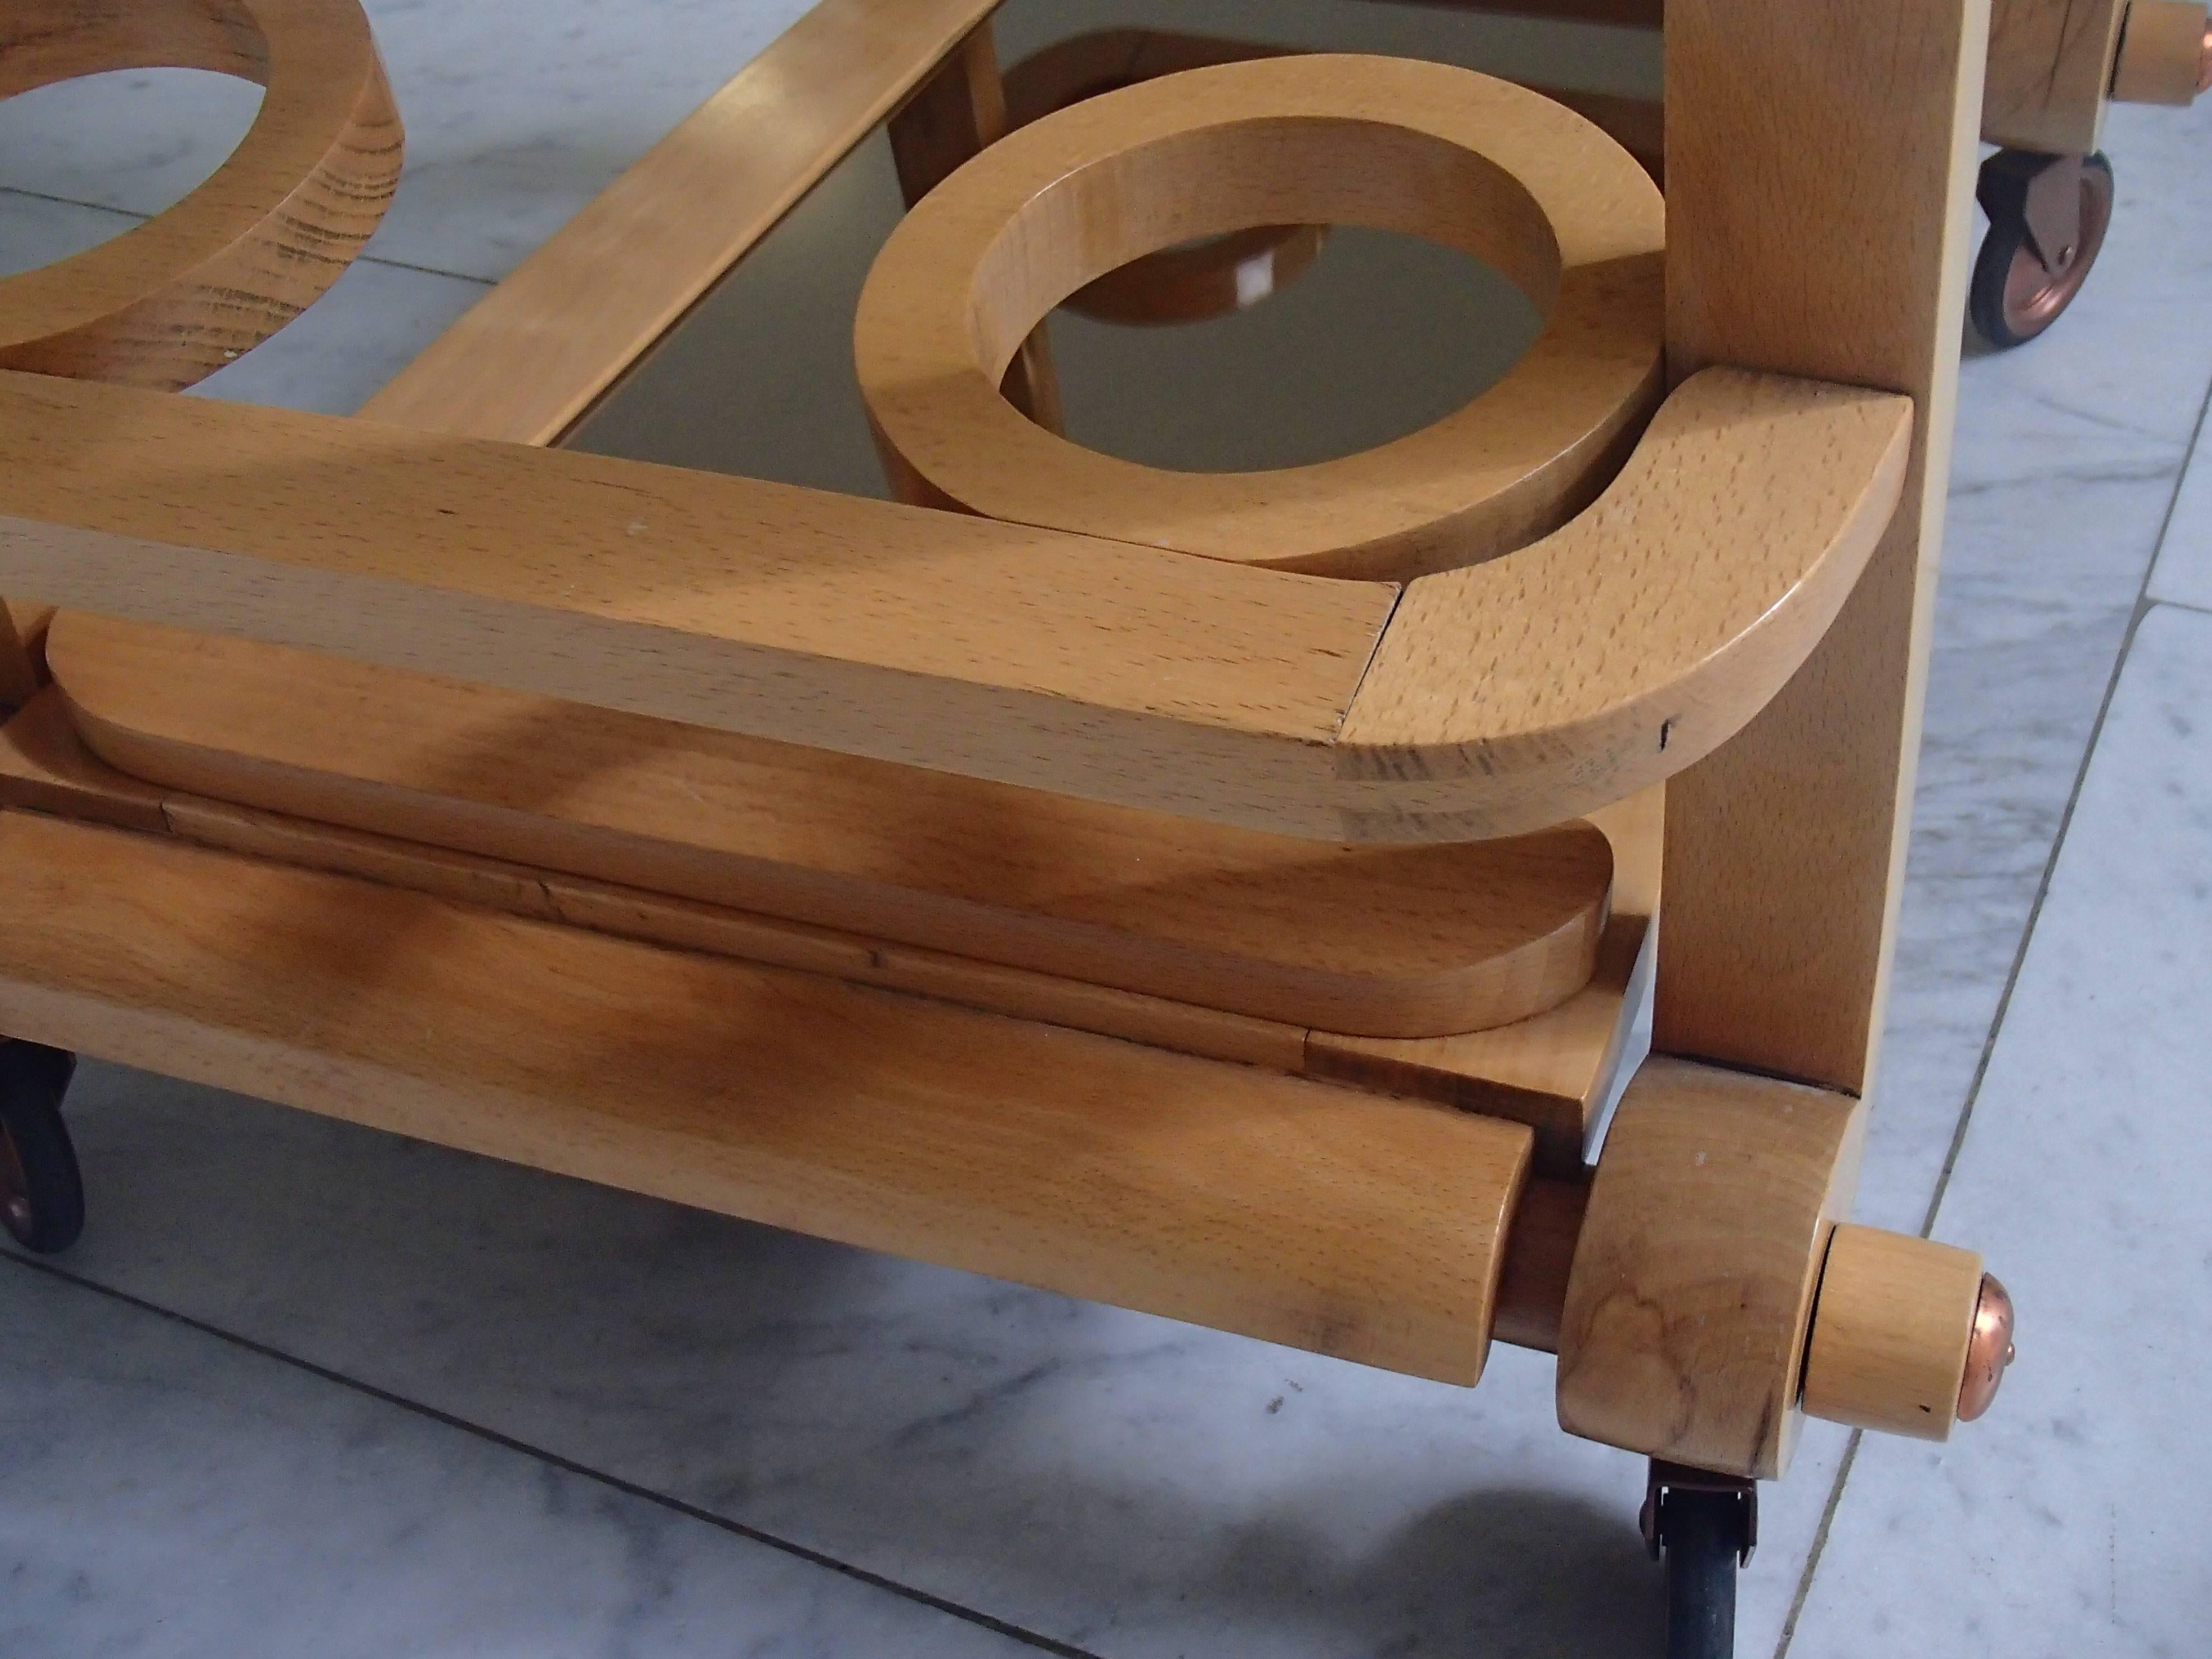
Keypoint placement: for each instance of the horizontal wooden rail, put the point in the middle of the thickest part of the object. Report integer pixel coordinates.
(572, 319)
(1503, 697)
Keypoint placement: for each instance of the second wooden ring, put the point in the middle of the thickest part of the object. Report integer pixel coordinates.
(1501, 173)
(200, 284)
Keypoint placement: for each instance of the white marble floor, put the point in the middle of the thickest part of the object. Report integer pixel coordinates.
(304, 1388)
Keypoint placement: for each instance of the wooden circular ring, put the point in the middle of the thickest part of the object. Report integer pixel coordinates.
(171, 300)
(1477, 164)
(1180, 284)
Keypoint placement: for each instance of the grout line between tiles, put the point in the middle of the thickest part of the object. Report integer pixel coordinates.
(1819, 1542)
(998, 1627)
(2143, 605)
(127, 213)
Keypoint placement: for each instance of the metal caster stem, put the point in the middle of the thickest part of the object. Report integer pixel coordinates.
(41, 1192)
(1703, 1527)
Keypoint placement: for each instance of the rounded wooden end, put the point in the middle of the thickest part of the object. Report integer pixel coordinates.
(264, 236)
(2165, 53)
(1499, 173)
(1893, 1328)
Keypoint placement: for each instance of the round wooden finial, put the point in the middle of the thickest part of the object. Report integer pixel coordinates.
(2163, 57)
(1499, 173)
(1894, 1330)
(205, 281)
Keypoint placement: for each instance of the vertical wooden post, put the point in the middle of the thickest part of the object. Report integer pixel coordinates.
(951, 116)
(1819, 167)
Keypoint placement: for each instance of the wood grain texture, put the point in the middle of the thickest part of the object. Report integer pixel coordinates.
(1890, 1333)
(1549, 1071)
(1621, 14)
(1280, 1208)
(44, 768)
(1785, 849)
(1539, 1255)
(1023, 656)
(172, 300)
(1209, 278)
(950, 119)
(2050, 67)
(571, 319)
(1084, 65)
(1407, 940)
(1647, 632)
(1502, 174)
(1683, 1332)
(1546, 1072)
(1222, 274)
(921, 637)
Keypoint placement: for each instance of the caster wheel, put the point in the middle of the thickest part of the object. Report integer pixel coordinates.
(1703, 1527)
(2048, 215)
(41, 1195)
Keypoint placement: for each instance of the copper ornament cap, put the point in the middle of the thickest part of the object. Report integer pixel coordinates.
(1989, 1350)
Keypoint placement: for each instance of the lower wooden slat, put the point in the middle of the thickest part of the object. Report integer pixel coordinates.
(1553, 1073)
(1277, 1207)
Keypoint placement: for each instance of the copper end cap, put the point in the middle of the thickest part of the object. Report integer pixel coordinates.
(1989, 1350)
(2205, 64)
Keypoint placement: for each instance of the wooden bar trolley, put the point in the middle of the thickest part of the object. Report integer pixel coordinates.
(1229, 895)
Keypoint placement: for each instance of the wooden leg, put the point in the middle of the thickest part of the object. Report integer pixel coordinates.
(1819, 164)
(952, 116)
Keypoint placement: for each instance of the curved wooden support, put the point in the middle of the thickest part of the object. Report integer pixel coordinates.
(1643, 635)
(1482, 703)
(178, 297)
(1683, 1335)
(1501, 173)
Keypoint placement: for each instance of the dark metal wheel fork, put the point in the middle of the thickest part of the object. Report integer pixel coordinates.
(41, 1194)
(1703, 1526)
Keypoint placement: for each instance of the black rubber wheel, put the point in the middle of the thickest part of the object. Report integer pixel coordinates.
(1704, 1532)
(41, 1192)
(2014, 297)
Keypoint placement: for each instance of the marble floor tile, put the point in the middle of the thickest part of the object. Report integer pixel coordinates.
(165, 1492)
(2184, 574)
(134, 140)
(36, 231)
(515, 117)
(2070, 1521)
(2067, 455)
(375, 321)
